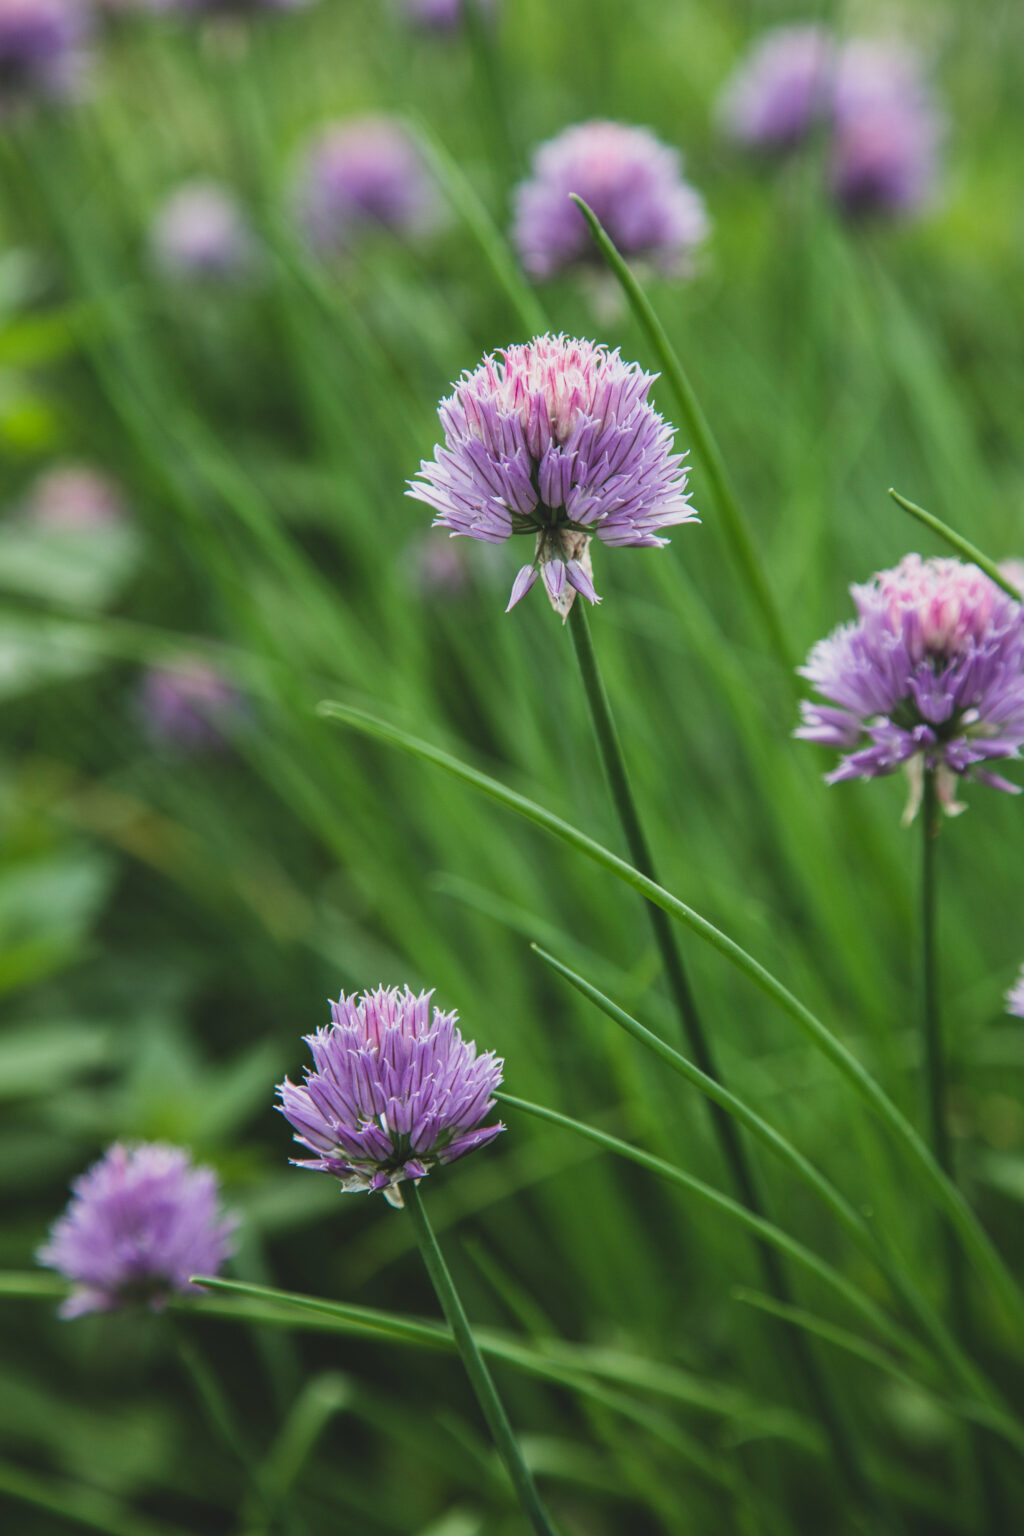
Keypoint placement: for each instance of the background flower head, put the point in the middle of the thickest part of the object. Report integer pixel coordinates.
(186, 704)
(42, 49)
(1015, 997)
(633, 183)
(199, 233)
(395, 1090)
(930, 676)
(73, 498)
(443, 15)
(141, 1221)
(887, 130)
(364, 174)
(781, 90)
(558, 440)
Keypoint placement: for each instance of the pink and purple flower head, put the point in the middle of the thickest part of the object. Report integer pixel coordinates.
(42, 49)
(443, 15)
(364, 174)
(929, 677)
(782, 90)
(200, 234)
(188, 705)
(869, 98)
(74, 498)
(633, 183)
(887, 130)
(557, 440)
(395, 1091)
(140, 1223)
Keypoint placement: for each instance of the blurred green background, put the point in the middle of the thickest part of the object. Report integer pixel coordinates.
(171, 923)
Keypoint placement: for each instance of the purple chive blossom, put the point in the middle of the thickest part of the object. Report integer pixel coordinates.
(42, 49)
(395, 1090)
(930, 676)
(442, 15)
(781, 90)
(73, 498)
(887, 130)
(200, 234)
(1015, 997)
(633, 183)
(556, 439)
(361, 175)
(185, 705)
(140, 1222)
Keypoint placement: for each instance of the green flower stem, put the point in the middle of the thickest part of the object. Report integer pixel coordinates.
(479, 1376)
(936, 1085)
(957, 541)
(729, 1139)
(735, 525)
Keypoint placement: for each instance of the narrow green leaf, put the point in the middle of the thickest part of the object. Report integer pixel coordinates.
(962, 546)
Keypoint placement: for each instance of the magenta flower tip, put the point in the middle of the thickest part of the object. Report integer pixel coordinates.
(929, 677)
(395, 1090)
(555, 439)
(141, 1222)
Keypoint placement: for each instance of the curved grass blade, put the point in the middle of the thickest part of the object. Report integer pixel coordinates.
(766, 1230)
(957, 541)
(842, 1338)
(945, 1194)
(735, 524)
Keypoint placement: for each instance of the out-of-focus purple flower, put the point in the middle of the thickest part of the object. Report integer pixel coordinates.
(395, 1090)
(186, 704)
(556, 439)
(140, 1222)
(225, 7)
(42, 49)
(633, 183)
(442, 15)
(781, 90)
(1015, 997)
(438, 568)
(360, 175)
(887, 130)
(74, 498)
(200, 234)
(929, 676)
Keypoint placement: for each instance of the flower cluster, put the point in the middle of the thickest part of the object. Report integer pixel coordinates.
(42, 49)
(395, 1091)
(360, 175)
(869, 98)
(200, 234)
(140, 1222)
(555, 439)
(633, 183)
(929, 676)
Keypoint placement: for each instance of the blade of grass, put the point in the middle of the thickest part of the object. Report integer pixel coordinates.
(957, 541)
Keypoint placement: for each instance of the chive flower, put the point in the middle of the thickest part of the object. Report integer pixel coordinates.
(74, 498)
(929, 677)
(140, 1222)
(42, 50)
(443, 15)
(200, 234)
(781, 90)
(394, 1092)
(186, 704)
(631, 180)
(1015, 997)
(555, 439)
(361, 175)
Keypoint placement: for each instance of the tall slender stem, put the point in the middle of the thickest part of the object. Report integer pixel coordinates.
(934, 1053)
(730, 1141)
(987, 1491)
(479, 1376)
